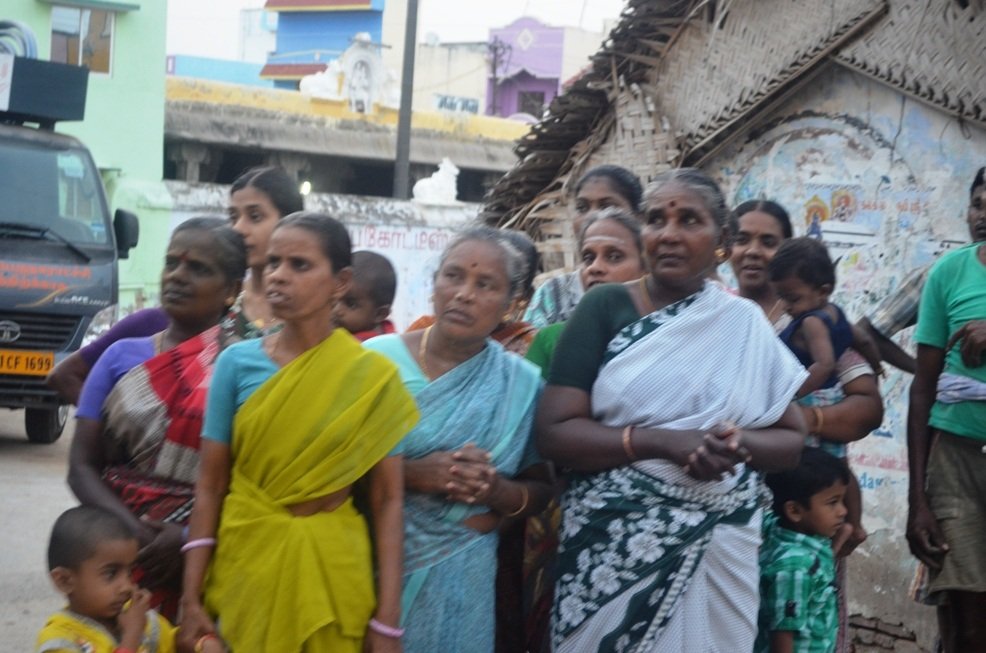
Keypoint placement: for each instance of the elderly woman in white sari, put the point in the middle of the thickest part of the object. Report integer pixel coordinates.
(665, 397)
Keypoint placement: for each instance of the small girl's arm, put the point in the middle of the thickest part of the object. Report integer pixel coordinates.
(819, 341)
(864, 343)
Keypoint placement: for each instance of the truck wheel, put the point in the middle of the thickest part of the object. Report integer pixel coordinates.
(45, 425)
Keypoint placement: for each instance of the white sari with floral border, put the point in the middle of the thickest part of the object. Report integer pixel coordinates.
(651, 559)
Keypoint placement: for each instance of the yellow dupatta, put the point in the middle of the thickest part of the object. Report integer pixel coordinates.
(315, 427)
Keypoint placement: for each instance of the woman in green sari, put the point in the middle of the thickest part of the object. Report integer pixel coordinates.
(293, 420)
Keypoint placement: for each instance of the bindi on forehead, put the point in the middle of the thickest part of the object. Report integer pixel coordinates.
(673, 203)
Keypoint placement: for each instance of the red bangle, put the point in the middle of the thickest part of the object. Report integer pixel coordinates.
(200, 642)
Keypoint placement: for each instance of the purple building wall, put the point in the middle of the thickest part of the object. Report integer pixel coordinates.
(531, 65)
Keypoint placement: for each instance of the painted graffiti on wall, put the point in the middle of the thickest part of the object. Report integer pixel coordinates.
(883, 182)
(410, 235)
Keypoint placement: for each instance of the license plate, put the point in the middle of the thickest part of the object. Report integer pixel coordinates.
(28, 363)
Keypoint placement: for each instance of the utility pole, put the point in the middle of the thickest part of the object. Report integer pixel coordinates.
(402, 164)
(497, 49)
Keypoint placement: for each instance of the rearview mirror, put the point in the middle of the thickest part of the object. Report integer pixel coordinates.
(126, 228)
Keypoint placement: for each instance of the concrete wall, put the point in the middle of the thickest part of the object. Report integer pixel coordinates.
(891, 176)
(453, 70)
(412, 235)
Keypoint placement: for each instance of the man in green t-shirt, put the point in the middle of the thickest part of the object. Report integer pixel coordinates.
(946, 436)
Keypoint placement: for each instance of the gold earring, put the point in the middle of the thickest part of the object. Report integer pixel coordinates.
(721, 254)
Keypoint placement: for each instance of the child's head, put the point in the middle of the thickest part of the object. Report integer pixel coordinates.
(368, 301)
(91, 556)
(811, 497)
(803, 275)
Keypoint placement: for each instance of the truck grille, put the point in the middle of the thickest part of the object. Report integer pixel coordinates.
(20, 391)
(42, 332)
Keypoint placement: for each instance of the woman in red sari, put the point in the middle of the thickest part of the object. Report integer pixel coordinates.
(135, 450)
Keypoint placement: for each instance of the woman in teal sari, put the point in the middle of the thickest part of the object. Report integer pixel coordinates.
(470, 461)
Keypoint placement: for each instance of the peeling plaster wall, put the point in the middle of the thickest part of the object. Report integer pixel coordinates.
(412, 235)
(885, 179)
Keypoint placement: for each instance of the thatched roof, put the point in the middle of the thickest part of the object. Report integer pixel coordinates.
(677, 78)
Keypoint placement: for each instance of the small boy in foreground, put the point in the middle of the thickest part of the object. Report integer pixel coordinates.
(91, 556)
(798, 611)
(363, 311)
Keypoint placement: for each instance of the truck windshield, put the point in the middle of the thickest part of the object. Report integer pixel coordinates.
(52, 190)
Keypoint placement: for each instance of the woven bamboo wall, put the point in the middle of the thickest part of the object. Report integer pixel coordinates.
(678, 78)
(934, 50)
(722, 68)
(630, 135)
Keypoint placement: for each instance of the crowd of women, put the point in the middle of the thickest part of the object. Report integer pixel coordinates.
(294, 489)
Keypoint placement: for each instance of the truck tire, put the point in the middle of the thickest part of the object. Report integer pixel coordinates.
(45, 425)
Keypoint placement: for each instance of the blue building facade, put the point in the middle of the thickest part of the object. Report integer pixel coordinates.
(311, 33)
(218, 70)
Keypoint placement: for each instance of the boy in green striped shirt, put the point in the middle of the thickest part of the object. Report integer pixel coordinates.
(798, 612)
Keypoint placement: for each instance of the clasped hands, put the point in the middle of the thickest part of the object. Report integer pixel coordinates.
(464, 475)
(708, 455)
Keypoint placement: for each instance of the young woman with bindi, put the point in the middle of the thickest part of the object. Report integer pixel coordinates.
(258, 199)
(610, 251)
(603, 187)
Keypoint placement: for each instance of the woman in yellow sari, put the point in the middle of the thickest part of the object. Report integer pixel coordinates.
(293, 420)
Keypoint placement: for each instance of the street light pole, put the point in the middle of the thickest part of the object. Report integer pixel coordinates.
(402, 164)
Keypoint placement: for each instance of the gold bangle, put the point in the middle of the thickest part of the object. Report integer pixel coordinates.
(523, 505)
(819, 419)
(627, 445)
